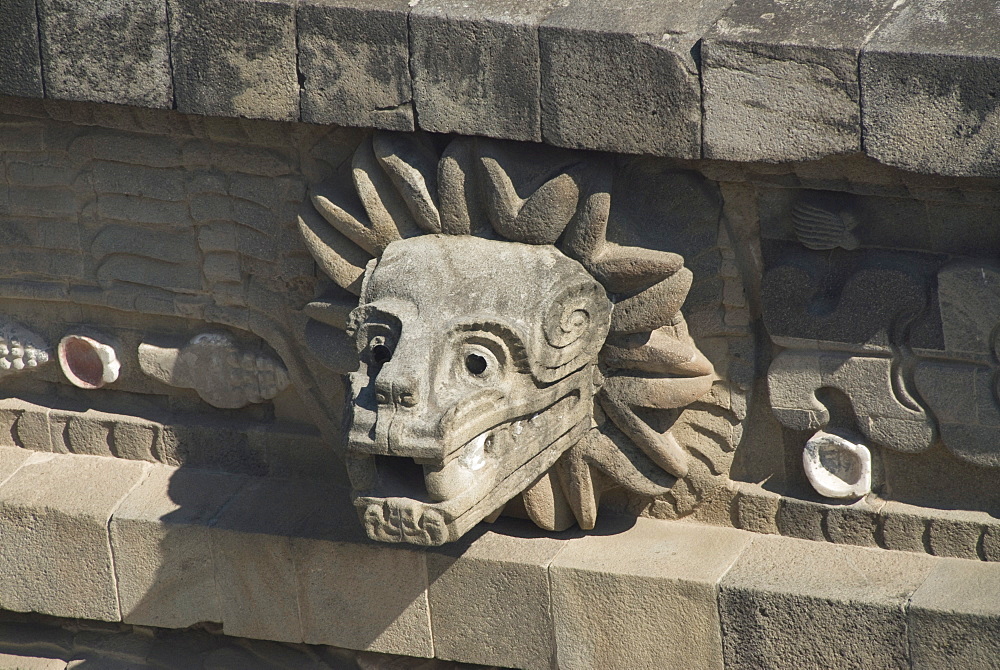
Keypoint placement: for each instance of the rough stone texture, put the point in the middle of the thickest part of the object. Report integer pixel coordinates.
(854, 598)
(162, 547)
(801, 518)
(623, 78)
(108, 51)
(616, 596)
(781, 79)
(930, 89)
(497, 582)
(954, 617)
(356, 593)
(354, 60)
(20, 61)
(55, 529)
(476, 67)
(235, 58)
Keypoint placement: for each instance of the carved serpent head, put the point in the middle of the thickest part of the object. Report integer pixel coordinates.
(505, 346)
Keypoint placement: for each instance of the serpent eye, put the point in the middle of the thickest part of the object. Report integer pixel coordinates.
(476, 364)
(379, 350)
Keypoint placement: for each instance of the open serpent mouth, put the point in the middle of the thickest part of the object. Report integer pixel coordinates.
(426, 498)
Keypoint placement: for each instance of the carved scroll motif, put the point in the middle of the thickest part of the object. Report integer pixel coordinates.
(506, 346)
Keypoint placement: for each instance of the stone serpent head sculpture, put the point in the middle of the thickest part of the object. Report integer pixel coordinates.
(506, 346)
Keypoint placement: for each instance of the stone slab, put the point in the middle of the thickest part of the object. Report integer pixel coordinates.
(163, 550)
(115, 52)
(235, 58)
(498, 581)
(11, 458)
(55, 558)
(476, 67)
(790, 603)
(20, 60)
(954, 617)
(781, 79)
(643, 598)
(623, 78)
(354, 60)
(930, 89)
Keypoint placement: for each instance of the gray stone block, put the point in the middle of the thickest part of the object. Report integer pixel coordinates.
(163, 550)
(360, 594)
(930, 89)
(476, 67)
(498, 582)
(623, 78)
(801, 518)
(789, 603)
(852, 524)
(954, 617)
(20, 60)
(106, 51)
(781, 79)
(616, 597)
(55, 558)
(235, 58)
(904, 528)
(354, 59)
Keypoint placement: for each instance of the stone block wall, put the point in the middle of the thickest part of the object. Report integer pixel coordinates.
(827, 175)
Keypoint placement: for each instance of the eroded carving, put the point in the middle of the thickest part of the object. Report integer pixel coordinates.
(837, 467)
(213, 364)
(89, 361)
(506, 346)
(20, 349)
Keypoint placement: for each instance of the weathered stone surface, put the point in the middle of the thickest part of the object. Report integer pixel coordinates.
(354, 59)
(476, 67)
(498, 582)
(613, 596)
(852, 524)
(357, 594)
(954, 618)
(162, 547)
(854, 598)
(20, 61)
(63, 502)
(11, 458)
(235, 58)
(623, 78)
(801, 518)
(114, 52)
(757, 510)
(903, 528)
(930, 89)
(781, 79)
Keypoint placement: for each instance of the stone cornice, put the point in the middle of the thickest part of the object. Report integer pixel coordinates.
(910, 84)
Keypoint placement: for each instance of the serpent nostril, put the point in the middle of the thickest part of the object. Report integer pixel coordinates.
(407, 399)
(381, 397)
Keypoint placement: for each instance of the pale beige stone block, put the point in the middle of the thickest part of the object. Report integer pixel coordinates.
(15, 662)
(790, 603)
(162, 547)
(55, 557)
(363, 595)
(954, 617)
(11, 458)
(496, 582)
(643, 598)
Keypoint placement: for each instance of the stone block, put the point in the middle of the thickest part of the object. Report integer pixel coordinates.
(105, 51)
(354, 59)
(954, 617)
(616, 597)
(852, 524)
(56, 558)
(360, 594)
(11, 458)
(235, 58)
(623, 78)
(20, 61)
(757, 510)
(781, 79)
(955, 537)
(476, 67)
(930, 89)
(496, 581)
(903, 528)
(788, 603)
(163, 550)
(801, 518)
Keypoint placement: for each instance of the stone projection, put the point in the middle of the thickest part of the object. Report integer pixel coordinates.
(486, 334)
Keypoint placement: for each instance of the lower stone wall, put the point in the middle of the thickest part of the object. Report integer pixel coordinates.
(34, 642)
